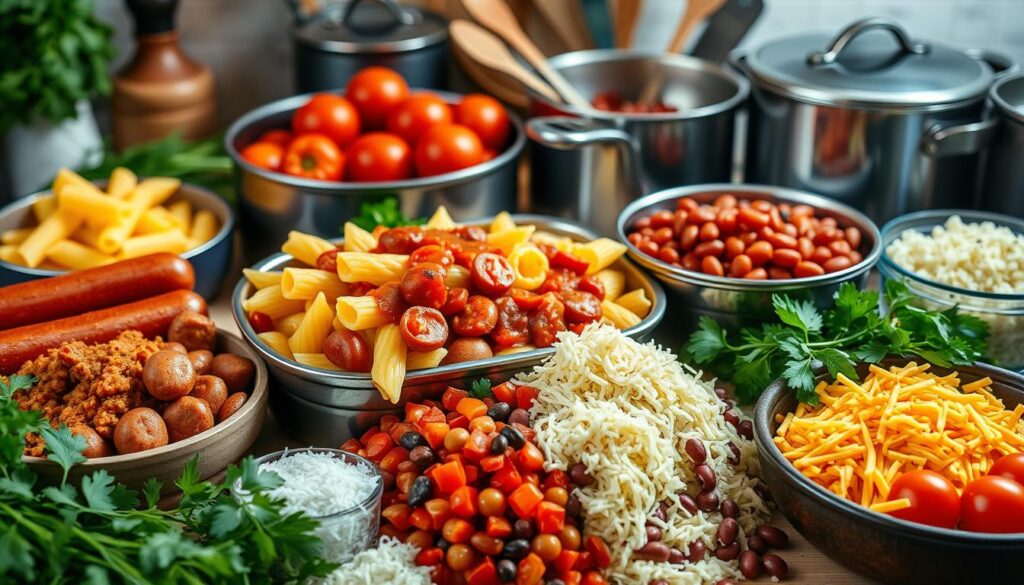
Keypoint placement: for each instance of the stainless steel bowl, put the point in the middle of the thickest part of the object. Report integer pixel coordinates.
(271, 204)
(343, 396)
(210, 261)
(737, 301)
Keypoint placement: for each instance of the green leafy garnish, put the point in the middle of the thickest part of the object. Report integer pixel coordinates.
(806, 340)
(480, 388)
(384, 212)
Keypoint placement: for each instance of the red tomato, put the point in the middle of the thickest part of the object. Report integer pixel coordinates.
(265, 155)
(447, 148)
(1011, 466)
(993, 504)
(330, 115)
(375, 91)
(485, 116)
(314, 156)
(378, 156)
(933, 499)
(281, 138)
(417, 114)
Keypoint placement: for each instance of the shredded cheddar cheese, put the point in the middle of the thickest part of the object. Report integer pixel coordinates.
(862, 436)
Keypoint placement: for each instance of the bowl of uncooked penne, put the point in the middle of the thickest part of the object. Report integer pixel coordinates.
(78, 224)
(380, 318)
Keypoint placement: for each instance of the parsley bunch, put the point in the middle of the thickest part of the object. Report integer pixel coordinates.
(805, 339)
(98, 532)
(384, 212)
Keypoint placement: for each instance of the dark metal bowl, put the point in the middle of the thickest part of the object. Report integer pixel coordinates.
(878, 545)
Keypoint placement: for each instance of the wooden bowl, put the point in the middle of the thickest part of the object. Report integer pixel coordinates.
(217, 447)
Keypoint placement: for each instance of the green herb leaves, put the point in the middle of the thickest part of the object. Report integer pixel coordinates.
(854, 330)
(385, 213)
(480, 388)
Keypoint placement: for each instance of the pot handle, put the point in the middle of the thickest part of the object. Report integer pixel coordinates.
(835, 48)
(401, 15)
(1001, 63)
(960, 139)
(566, 133)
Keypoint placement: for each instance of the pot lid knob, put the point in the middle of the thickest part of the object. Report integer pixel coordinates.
(840, 42)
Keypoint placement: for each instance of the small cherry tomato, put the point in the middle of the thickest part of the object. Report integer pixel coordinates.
(933, 499)
(375, 91)
(266, 155)
(328, 260)
(485, 116)
(261, 322)
(492, 274)
(378, 156)
(314, 156)
(417, 114)
(423, 328)
(423, 285)
(281, 138)
(1011, 466)
(993, 504)
(330, 115)
(447, 148)
(348, 350)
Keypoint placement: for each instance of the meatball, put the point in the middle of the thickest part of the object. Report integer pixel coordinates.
(232, 405)
(235, 370)
(193, 330)
(168, 375)
(211, 389)
(174, 346)
(467, 349)
(187, 416)
(95, 446)
(202, 361)
(138, 430)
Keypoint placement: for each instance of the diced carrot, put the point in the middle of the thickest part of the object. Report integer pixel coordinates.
(420, 518)
(525, 499)
(472, 472)
(530, 570)
(550, 518)
(507, 479)
(483, 573)
(477, 446)
(398, 515)
(492, 463)
(556, 478)
(400, 429)
(414, 412)
(472, 407)
(593, 578)
(439, 510)
(394, 457)
(387, 421)
(531, 457)
(498, 527)
(434, 433)
(463, 501)
(584, 562)
(458, 421)
(378, 446)
(505, 392)
(566, 559)
(452, 397)
(390, 530)
(525, 396)
(571, 577)
(449, 477)
(370, 432)
(429, 556)
(351, 445)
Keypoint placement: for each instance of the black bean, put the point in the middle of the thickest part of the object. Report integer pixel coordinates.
(730, 509)
(573, 507)
(653, 551)
(746, 429)
(420, 491)
(773, 537)
(706, 477)
(514, 437)
(506, 571)
(750, 564)
(519, 415)
(442, 543)
(653, 533)
(499, 411)
(731, 417)
(757, 544)
(579, 476)
(775, 566)
(498, 445)
(727, 531)
(695, 449)
(696, 551)
(522, 529)
(728, 553)
(676, 556)
(707, 501)
(422, 456)
(411, 439)
(516, 549)
(734, 454)
(688, 504)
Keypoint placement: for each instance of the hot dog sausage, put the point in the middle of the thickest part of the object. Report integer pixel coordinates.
(78, 292)
(151, 316)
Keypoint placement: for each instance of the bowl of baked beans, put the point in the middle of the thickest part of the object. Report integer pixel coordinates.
(727, 248)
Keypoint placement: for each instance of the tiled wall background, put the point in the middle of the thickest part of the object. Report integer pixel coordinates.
(247, 42)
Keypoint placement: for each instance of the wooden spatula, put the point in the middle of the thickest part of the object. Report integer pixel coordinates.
(697, 11)
(488, 50)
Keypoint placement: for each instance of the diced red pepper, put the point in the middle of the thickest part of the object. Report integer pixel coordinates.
(439, 510)
(451, 398)
(414, 412)
(429, 556)
(477, 446)
(387, 421)
(463, 501)
(472, 407)
(584, 562)
(400, 429)
(432, 404)
(530, 570)
(594, 578)
(492, 463)
(532, 478)
(566, 559)
(434, 415)
(420, 518)
(391, 461)
(398, 515)
(370, 432)
(378, 446)
(566, 260)
(472, 473)
(571, 578)
(458, 421)
(484, 573)
(525, 299)
(531, 457)
(525, 499)
(556, 478)
(507, 479)
(389, 530)
(599, 552)
(525, 396)
(505, 392)
(528, 433)
(498, 527)
(434, 433)
(351, 445)
(453, 457)
(449, 477)
(550, 518)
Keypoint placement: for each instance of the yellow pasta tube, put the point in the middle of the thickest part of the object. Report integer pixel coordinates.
(290, 324)
(421, 360)
(65, 177)
(315, 360)
(272, 303)
(358, 313)
(357, 239)
(147, 194)
(44, 206)
(310, 336)
(153, 191)
(9, 253)
(181, 211)
(507, 240)
(636, 301)
(501, 222)
(388, 370)
(305, 283)
(155, 220)
(88, 235)
(204, 227)
(441, 220)
(262, 279)
(173, 241)
(515, 349)
(600, 253)
(373, 268)
(90, 202)
(530, 267)
(277, 342)
(305, 248)
(15, 236)
(614, 282)
(618, 315)
(75, 256)
(58, 226)
(122, 183)
(457, 277)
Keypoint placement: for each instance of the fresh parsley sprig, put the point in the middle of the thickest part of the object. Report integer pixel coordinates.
(384, 212)
(855, 330)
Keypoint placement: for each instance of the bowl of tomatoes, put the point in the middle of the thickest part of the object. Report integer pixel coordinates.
(309, 162)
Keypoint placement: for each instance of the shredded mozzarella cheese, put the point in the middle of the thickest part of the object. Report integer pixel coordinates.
(391, 563)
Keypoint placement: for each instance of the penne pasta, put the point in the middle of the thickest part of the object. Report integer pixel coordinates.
(313, 330)
(389, 355)
(122, 183)
(181, 211)
(153, 191)
(204, 227)
(441, 220)
(9, 253)
(272, 303)
(357, 239)
(75, 256)
(515, 349)
(614, 282)
(530, 267)
(618, 315)
(58, 226)
(600, 253)
(501, 222)
(305, 248)
(420, 360)
(457, 276)
(97, 208)
(173, 241)
(289, 324)
(155, 220)
(316, 360)
(88, 235)
(359, 313)
(636, 301)
(305, 283)
(262, 279)
(65, 177)
(15, 236)
(277, 342)
(507, 240)
(44, 206)
(373, 268)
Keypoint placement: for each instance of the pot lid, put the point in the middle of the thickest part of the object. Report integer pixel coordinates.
(1008, 96)
(380, 26)
(863, 68)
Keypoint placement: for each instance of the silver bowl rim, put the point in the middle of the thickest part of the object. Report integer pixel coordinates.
(210, 200)
(783, 194)
(679, 61)
(290, 104)
(1012, 111)
(339, 378)
(766, 448)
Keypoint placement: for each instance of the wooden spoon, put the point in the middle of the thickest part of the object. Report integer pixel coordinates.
(697, 11)
(624, 16)
(496, 15)
(488, 50)
(560, 17)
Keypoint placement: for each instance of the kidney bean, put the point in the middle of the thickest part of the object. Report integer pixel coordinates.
(820, 255)
(679, 220)
(573, 507)
(668, 255)
(786, 257)
(653, 533)
(728, 553)
(420, 491)
(805, 247)
(712, 248)
(790, 230)
(519, 415)
(829, 221)
(773, 537)
(690, 261)
(825, 236)
(696, 551)
(725, 201)
(774, 566)
(753, 218)
(782, 240)
(756, 544)
(707, 501)
(688, 237)
(688, 504)
(727, 531)
(734, 454)
(837, 263)
(745, 429)
(762, 491)
(731, 417)
(648, 247)
(422, 456)
(653, 551)
(750, 564)
(647, 232)
(839, 248)
(856, 257)
(775, 273)
(643, 222)
(516, 549)
(702, 215)
(727, 220)
(661, 236)
(748, 238)
(579, 476)
(756, 274)
(712, 265)
(853, 237)
(759, 252)
(741, 265)
(687, 203)
(734, 247)
(635, 238)
(695, 449)
(709, 231)
(662, 511)
(676, 556)
(706, 477)
(661, 218)
(730, 509)
(721, 393)
(807, 269)
(522, 529)
(725, 582)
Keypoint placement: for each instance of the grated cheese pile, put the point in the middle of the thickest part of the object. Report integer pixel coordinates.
(625, 410)
(861, 436)
(392, 562)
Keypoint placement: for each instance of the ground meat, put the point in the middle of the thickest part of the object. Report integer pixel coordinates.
(90, 384)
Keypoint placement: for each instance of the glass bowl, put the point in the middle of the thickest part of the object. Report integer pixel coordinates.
(1004, 312)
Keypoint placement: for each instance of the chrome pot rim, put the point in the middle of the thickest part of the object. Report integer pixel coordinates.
(1015, 113)
(597, 56)
(290, 104)
(781, 194)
